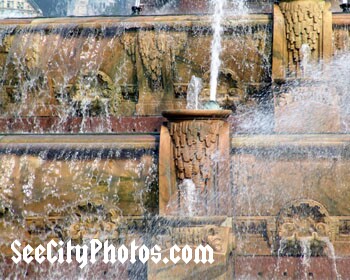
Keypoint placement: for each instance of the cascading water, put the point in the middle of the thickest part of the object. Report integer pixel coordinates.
(324, 88)
(305, 245)
(331, 254)
(64, 89)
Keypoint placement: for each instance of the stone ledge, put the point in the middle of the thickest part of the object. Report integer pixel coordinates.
(139, 21)
(90, 145)
(295, 140)
(341, 19)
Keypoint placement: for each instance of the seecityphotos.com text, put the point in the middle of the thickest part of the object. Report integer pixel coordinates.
(62, 252)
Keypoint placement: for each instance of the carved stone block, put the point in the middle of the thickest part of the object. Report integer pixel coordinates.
(194, 232)
(195, 147)
(300, 23)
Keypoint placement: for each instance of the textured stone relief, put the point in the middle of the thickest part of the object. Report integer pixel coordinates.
(304, 219)
(97, 93)
(156, 51)
(193, 174)
(302, 31)
(154, 55)
(195, 143)
(219, 238)
(94, 222)
(158, 48)
(230, 93)
(190, 236)
(145, 70)
(344, 227)
(303, 27)
(341, 39)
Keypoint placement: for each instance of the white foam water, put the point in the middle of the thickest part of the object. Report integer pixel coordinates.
(305, 51)
(194, 88)
(331, 254)
(189, 196)
(216, 47)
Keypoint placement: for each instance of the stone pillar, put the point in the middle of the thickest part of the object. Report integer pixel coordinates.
(195, 153)
(302, 38)
(195, 148)
(297, 24)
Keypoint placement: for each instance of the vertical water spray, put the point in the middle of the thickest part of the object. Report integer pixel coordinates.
(305, 254)
(188, 190)
(194, 88)
(216, 47)
(305, 52)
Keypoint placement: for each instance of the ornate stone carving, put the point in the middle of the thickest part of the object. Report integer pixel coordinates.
(6, 41)
(197, 142)
(154, 55)
(51, 226)
(230, 92)
(193, 232)
(159, 48)
(92, 221)
(304, 219)
(219, 238)
(304, 225)
(129, 43)
(92, 228)
(96, 93)
(344, 227)
(155, 49)
(194, 147)
(84, 222)
(258, 227)
(303, 20)
(341, 37)
(300, 23)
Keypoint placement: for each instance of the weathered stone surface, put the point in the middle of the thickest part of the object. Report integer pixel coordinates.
(192, 232)
(271, 172)
(55, 124)
(312, 28)
(74, 187)
(252, 267)
(341, 33)
(115, 67)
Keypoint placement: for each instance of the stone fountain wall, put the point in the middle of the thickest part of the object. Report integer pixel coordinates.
(139, 66)
(75, 187)
(295, 182)
(341, 33)
(120, 73)
(115, 76)
(272, 172)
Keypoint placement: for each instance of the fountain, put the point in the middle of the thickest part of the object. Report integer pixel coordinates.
(108, 131)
